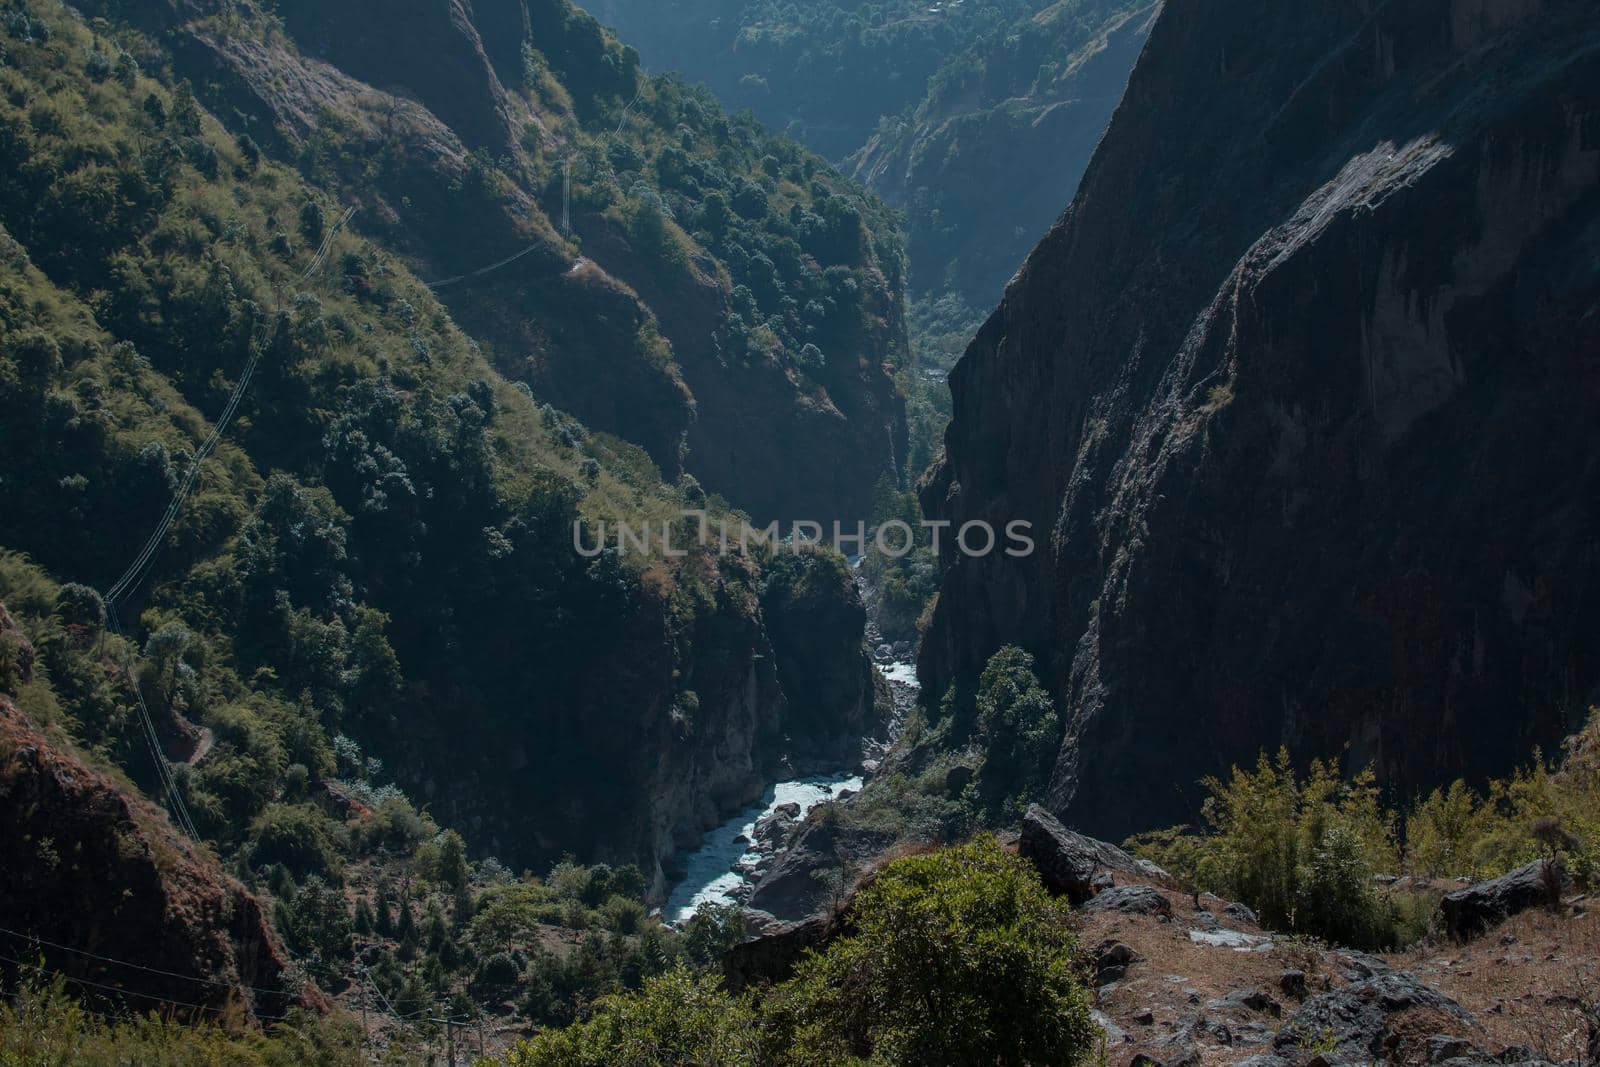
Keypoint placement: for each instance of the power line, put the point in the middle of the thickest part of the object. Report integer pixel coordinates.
(153, 742)
(139, 569)
(130, 992)
(484, 270)
(32, 939)
(134, 575)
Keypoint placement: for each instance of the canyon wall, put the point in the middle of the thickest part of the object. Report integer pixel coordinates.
(1300, 395)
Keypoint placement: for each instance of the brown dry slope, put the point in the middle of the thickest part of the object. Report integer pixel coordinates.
(98, 875)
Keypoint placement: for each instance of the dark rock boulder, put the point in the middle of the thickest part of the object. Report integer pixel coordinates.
(1111, 961)
(1472, 911)
(1132, 899)
(1362, 1022)
(1069, 861)
(1293, 983)
(771, 955)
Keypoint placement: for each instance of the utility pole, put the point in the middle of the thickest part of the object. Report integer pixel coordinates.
(450, 1040)
(482, 1055)
(566, 196)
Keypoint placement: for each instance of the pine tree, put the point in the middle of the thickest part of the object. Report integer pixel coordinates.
(384, 920)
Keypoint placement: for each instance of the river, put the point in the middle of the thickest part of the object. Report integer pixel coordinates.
(720, 870)
(711, 876)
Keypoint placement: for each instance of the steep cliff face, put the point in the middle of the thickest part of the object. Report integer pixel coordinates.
(686, 715)
(90, 866)
(983, 163)
(1300, 396)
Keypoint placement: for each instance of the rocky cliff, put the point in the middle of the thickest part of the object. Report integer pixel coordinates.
(983, 163)
(91, 867)
(1299, 395)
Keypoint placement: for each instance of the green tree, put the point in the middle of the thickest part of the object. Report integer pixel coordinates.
(958, 957)
(676, 1020)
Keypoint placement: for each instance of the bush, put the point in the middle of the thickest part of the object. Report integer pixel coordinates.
(676, 1019)
(297, 836)
(622, 914)
(960, 956)
(499, 971)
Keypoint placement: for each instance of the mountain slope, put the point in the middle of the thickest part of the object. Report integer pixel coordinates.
(1298, 396)
(704, 255)
(71, 835)
(823, 72)
(372, 590)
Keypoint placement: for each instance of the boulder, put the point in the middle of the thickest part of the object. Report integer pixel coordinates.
(1111, 961)
(770, 956)
(1359, 1023)
(1293, 983)
(1132, 899)
(1069, 861)
(1472, 911)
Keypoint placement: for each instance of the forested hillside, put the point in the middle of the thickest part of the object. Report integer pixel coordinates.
(366, 620)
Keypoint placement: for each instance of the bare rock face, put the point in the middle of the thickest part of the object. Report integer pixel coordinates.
(1299, 396)
(88, 865)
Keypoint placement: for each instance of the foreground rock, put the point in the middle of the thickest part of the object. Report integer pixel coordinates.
(1071, 863)
(771, 955)
(1472, 911)
(89, 866)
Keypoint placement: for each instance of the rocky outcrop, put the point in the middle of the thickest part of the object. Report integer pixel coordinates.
(1131, 899)
(771, 956)
(1367, 1020)
(1472, 911)
(1074, 865)
(90, 867)
(430, 49)
(1297, 398)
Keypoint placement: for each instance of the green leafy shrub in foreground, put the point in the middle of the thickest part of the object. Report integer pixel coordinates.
(1304, 852)
(42, 1025)
(955, 957)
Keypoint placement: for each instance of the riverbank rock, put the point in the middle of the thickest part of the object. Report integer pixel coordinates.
(771, 954)
(1471, 911)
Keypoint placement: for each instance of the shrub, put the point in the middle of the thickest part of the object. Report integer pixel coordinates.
(960, 956)
(1302, 853)
(622, 914)
(499, 971)
(676, 1019)
(297, 836)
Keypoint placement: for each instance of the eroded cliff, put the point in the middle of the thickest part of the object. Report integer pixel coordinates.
(1300, 395)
